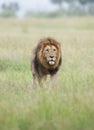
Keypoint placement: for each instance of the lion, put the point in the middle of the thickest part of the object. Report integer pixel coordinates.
(46, 60)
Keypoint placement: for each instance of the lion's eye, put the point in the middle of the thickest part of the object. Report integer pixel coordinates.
(54, 49)
(47, 50)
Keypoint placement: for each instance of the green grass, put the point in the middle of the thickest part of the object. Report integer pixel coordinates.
(67, 106)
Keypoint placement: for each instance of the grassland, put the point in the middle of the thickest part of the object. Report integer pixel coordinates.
(70, 104)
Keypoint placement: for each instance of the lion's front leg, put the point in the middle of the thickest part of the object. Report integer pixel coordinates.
(35, 81)
(42, 81)
(39, 81)
(53, 80)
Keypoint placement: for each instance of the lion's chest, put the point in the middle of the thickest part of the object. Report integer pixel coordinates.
(43, 71)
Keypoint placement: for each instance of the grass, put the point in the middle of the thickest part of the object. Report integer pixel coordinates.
(68, 106)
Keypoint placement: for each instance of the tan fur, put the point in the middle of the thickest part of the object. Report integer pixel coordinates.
(46, 59)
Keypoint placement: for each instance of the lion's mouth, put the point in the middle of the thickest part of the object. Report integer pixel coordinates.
(51, 62)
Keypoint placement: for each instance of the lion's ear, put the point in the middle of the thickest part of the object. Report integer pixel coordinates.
(58, 45)
(39, 47)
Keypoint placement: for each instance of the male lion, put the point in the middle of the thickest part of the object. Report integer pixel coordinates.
(46, 60)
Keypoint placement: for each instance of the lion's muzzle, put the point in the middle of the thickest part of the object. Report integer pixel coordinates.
(52, 60)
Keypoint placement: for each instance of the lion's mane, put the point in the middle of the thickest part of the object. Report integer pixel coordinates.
(40, 66)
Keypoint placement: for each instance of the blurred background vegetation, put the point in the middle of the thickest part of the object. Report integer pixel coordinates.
(65, 8)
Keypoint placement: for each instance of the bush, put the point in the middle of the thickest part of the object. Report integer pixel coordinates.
(7, 13)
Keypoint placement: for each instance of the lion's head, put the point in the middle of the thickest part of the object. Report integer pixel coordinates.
(49, 53)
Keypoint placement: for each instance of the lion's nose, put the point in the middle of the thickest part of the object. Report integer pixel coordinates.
(51, 56)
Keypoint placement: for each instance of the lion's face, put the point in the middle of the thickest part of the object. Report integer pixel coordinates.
(50, 54)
